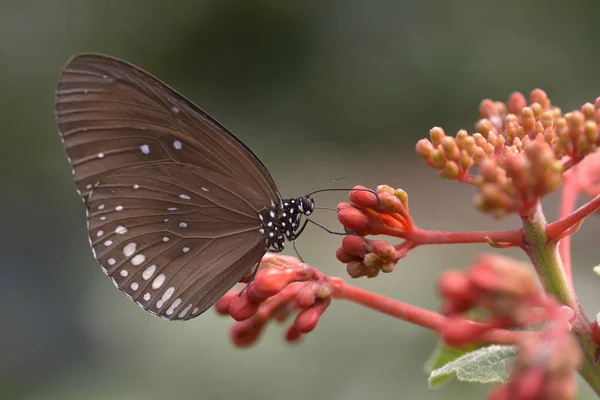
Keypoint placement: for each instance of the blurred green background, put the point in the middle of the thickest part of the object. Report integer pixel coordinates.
(318, 90)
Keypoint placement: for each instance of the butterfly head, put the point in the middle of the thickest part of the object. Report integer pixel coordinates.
(306, 205)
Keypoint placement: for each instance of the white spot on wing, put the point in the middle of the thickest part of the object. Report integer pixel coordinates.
(148, 272)
(147, 296)
(204, 189)
(184, 311)
(195, 310)
(175, 110)
(168, 293)
(120, 230)
(108, 243)
(111, 261)
(100, 155)
(186, 249)
(119, 208)
(184, 197)
(158, 281)
(134, 286)
(174, 305)
(101, 207)
(103, 218)
(172, 209)
(100, 233)
(123, 273)
(165, 239)
(183, 225)
(177, 145)
(135, 187)
(138, 259)
(129, 249)
(145, 149)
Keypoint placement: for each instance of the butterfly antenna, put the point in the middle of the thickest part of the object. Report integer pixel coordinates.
(333, 181)
(328, 209)
(345, 189)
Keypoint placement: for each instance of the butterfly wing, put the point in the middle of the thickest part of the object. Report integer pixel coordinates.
(173, 198)
(113, 115)
(174, 248)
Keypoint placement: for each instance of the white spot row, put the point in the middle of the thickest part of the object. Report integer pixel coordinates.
(183, 225)
(145, 149)
(184, 197)
(119, 208)
(120, 230)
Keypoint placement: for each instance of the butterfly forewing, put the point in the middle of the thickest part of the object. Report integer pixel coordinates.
(173, 199)
(112, 115)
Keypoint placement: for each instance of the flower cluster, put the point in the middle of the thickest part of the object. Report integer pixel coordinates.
(384, 211)
(281, 286)
(521, 150)
(508, 290)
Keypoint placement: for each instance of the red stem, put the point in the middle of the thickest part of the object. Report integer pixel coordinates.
(555, 229)
(569, 194)
(411, 313)
(421, 236)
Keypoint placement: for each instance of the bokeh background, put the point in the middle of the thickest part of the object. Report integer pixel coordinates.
(318, 90)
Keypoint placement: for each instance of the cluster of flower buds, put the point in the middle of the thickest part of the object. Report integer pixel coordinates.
(545, 367)
(281, 286)
(521, 150)
(509, 291)
(366, 257)
(383, 212)
(380, 212)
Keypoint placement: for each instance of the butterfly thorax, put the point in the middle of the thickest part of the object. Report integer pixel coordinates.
(283, 221)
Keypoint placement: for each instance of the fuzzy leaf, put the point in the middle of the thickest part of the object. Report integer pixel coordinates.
(489, 364)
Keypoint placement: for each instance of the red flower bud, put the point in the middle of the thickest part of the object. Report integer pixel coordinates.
(455, 285)
(241, 308)
(222, 305)
(363, 197)
(246, 332)
(459, 332)
(292, 334)
(308, 319)
(344, 256)
(356, 245)
(354, 219)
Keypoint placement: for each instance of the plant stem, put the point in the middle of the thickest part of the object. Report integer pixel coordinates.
(414, 314)
(544, 255)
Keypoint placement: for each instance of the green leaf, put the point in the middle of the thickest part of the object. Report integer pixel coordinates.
(490, 364)
(444, 353)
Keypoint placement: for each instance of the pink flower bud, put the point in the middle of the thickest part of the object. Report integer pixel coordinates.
(356, 245)
(354, 219)
(241, 308)
(363, 197)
